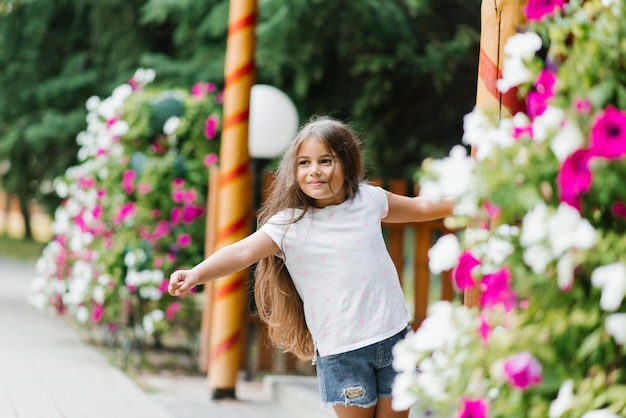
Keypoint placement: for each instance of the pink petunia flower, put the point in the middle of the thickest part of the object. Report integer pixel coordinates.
(523, 370)
(177, 183)
(158, 262)
(210, 159)
(608, 134)
(128, 181)
(178, 196)
(133, 84)
(210, 127)
(144, 188)
(575, 177)
(484, 329)
(191, 213)
(473, 408)
(125, 212)
(462, 273)
(170, 311)
(619, 209)
(537, 9)
(201, 89)
(583, 106)
(176, 215)
(542, 92)
(190, 196)
(162, 229)
(184, 240)
(97, 313)
(496, 290)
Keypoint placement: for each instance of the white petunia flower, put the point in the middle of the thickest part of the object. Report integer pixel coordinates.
(518, 49)
(92, 103)
(612, 280)
(82, 314)
(534, 226)
(170, 125)
(445, 254)
(568, 139)
(567, 229)
(565, 271)
(548, 123)
(119, 128)
(600, 413)
(403, 392)
(563, 401)
(615, 325)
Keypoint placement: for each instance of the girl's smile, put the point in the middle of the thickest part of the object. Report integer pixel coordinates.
(319, 173)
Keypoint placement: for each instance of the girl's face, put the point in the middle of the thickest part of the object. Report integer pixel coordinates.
(320, 173)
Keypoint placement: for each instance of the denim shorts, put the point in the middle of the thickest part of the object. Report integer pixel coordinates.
(358, 377)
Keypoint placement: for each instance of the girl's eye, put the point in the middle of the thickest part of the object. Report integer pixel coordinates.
(303, 163)
(327, 161)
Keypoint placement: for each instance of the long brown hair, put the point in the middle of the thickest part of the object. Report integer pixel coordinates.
(277, 300)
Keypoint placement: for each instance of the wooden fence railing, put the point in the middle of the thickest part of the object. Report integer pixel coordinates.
(408, 245)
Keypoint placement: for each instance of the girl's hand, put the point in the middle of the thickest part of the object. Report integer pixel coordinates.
(181, 282)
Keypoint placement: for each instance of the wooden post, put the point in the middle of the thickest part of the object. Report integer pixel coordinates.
(500, 19)
(209, 247)
(235, 199)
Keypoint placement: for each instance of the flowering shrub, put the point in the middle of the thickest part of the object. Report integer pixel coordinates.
(133, 211)
(545, 247)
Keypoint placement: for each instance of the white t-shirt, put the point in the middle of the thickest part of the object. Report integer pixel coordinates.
(342, 270)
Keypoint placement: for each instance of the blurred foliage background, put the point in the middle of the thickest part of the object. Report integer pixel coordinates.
(403, 72)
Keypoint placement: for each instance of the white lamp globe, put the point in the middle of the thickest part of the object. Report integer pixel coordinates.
(273, 122)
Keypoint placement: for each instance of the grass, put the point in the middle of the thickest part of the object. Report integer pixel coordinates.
(20, 249)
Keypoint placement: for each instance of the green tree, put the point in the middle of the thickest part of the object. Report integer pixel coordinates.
(54, 55)
(403, 71)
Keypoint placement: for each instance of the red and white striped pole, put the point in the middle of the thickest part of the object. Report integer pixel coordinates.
(500, 19)
(234, 206)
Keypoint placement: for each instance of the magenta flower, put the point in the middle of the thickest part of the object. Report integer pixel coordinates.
(133, 84)
(86, 182)
(210, 127)
(184, 240)
(583, 106)
(191, 213)
(522, 370)
(190, 196)
(176, 215)
(144, 188)
(619, 209)
(178, 196)
(492, 210)
(519, 132)
(178, 183)
(473, 408)
(484, 329)
(128, 181)
(575, 177)
(158, 262)
(608, 134)
(171, 310)
(496, 290)
(542, 92)
(162, 229)
(201, 89)
(163, 286)
(210, 159)
(537, 9)
(125, 212)
(97, 313)
(462, 273)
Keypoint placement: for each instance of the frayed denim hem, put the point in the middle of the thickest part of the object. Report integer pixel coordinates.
(331, 404)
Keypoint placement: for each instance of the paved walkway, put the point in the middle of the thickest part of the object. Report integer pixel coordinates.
(46, 371)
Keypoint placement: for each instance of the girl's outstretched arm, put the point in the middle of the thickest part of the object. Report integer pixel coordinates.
(226, 260)
(404, 209)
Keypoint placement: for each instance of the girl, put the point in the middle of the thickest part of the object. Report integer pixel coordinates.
(325, 283)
